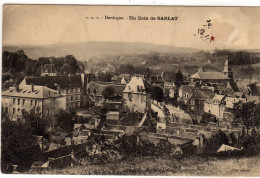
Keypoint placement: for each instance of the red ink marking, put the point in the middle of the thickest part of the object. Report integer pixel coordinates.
(212, 38)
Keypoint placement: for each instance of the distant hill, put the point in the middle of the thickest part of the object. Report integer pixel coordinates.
(86, 50)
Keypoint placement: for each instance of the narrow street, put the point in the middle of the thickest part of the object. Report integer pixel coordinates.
(156, 108)
(178, 112)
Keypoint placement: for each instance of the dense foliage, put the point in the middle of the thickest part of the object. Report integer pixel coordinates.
(109, 92)
(157, 93)
(238, 58)
(247, 114)
(16, 145)
(18, 65)
(64, 120)
(212, 144)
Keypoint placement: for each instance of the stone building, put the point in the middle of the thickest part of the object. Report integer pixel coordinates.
(73, 86)
(40, 99)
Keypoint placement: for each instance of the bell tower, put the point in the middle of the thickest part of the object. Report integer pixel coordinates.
(227, 69)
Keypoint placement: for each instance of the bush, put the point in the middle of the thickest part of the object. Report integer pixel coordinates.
(212, 144)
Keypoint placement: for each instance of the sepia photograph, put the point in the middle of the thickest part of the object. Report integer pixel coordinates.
(130, 90)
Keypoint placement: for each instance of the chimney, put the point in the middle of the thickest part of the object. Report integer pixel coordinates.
(83, 79)
(59, 90)
(16, 87)
(32, 87)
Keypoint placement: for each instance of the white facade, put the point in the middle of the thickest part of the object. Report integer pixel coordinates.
(42, 99)
(134, 95)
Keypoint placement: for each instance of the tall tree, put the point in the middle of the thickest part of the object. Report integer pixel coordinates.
(64, 120)
(247, 114)
(179, 77)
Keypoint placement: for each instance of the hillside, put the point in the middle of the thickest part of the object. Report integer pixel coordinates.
(187, 166)
(86, 50)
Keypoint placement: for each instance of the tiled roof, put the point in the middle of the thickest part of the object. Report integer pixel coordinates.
(26, 92)
(210, 76)
(64, 81)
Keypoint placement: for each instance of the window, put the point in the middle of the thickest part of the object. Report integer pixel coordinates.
(48, 112)
(13, 110)
(18, 101)
(18, 109)
(67, 91)
(71, 98)
(13, 100)
(31, 102)
(77, 105)
(23, 101)
(35, 102)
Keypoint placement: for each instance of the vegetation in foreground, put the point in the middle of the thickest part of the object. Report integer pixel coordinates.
(188, 166)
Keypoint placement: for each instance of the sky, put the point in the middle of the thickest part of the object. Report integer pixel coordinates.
(231, 27)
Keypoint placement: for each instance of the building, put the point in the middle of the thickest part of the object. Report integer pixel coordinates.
(215, 106)
(197, 99)
(135, 96)
(96, 88)
(203, 77)
(221, 105)
(185, 92)
(112, 118)
(169, 90)
(48, 70)
(122, 78)
(209, 77)
(41, 99)
(73, 86)
(156, 79)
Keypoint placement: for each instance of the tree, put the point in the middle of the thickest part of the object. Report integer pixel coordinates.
(109, 92)
(72, 62)
(65, 69)
(212, 144)
(157, 93)
(17, 144)
(64, 120)
(33, 120)
(179, 77)
(247, 114)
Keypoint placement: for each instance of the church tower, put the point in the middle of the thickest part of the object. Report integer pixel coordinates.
(227, 69)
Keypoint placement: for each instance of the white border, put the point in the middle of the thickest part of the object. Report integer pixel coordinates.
(120, 2)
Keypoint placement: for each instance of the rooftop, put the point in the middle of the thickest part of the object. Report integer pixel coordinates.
(64, 81)
(210, 76)
(99, 87)
(135, 85)
(26, 92)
